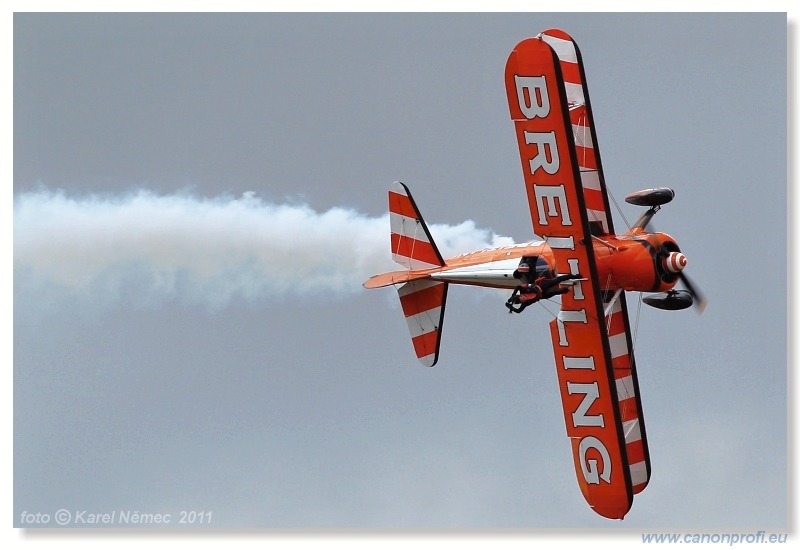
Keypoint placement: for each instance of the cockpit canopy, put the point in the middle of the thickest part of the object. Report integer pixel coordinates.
(531, 268)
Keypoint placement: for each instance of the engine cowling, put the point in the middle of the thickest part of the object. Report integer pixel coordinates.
(646, 262)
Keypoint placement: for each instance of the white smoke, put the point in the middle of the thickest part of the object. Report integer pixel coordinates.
(206, 250)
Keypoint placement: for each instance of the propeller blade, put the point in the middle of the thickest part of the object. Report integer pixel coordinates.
(699, 301)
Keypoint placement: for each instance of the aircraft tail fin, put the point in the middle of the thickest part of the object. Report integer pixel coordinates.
(412, 244)
(421, 298)
(423, 303)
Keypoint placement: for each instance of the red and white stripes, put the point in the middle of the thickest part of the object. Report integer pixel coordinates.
(674, 262)
(591, 177)
(412, 245)
(423, 304)
(422, 300)
(630, 415)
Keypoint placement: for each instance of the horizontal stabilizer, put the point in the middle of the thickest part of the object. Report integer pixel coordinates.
(394, 278)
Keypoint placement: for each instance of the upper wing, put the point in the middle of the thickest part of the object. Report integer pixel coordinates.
(539, 107)
(598, 214)
(586, 151)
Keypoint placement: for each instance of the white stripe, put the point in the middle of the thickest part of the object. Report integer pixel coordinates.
(428, 359)
(632, 430)
(618, 344)
(424, 322)
(583, 136)
(415, 286)
(407, 227)
(590, 179)
(638, 473)
(574, 92)
(625, 388)
(398, 188)
(412, 264)
(564, 48)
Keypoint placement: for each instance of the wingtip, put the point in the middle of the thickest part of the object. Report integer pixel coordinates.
(427, 362)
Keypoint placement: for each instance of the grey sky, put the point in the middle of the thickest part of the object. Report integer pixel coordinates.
(310, 410)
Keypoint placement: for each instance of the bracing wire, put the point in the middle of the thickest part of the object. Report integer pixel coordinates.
(605, 293)
(414, 243)
(619, 210)
(553, 315)
(636, 325)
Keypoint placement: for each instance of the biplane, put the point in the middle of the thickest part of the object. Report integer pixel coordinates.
(569, 206)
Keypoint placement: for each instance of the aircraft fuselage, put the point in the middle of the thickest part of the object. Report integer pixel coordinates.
(629, 262)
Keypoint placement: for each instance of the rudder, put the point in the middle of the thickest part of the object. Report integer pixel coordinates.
(412, 244)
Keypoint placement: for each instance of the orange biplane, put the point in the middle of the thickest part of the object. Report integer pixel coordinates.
(580, 258)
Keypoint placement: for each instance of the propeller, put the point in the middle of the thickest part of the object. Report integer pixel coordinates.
(699, 300)
(672, 267)
(672, 261)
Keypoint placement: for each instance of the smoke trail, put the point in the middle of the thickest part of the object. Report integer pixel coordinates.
(206, 250)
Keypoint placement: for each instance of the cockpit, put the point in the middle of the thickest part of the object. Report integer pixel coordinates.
(531, 268)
